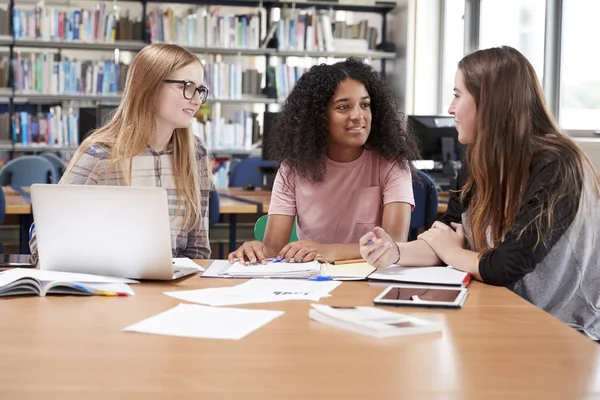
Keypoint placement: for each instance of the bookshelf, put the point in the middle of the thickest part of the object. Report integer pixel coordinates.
(127, 32)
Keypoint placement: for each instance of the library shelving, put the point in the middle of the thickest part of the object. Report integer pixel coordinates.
(273, 30)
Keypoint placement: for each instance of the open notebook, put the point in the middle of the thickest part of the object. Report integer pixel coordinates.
(21, 281)
(420, 275)
(223, 269)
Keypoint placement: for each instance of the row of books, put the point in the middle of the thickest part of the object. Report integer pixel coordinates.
(231, 81)
(204, 27)
(221, 134)
(282, 79)
(44, 73)
(304, 30)
(56, 127)
(312, 30)
(100, 23)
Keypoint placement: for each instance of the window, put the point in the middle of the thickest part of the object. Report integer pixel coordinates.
(519, 24)
(580, 76)
(453, 45)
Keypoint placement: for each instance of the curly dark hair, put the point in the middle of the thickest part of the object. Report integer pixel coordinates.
(299, 134)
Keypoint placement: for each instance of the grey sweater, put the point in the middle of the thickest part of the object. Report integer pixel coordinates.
(562, 276)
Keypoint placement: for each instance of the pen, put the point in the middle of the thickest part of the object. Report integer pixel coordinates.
(320, 278)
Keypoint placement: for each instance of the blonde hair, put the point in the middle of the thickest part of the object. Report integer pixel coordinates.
(128, 132)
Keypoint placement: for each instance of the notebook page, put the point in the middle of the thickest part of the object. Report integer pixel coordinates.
(428, 275)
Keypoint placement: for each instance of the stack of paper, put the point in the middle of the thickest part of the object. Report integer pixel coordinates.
(372, 321)
(258, 291)
(223, 269)
(189, 320)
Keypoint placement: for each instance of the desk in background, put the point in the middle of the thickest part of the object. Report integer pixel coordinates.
(19, 203)
(497, 347)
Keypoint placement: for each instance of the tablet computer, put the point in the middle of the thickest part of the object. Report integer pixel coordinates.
(422, 296)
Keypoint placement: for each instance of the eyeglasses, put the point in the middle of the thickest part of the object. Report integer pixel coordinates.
(190, 89)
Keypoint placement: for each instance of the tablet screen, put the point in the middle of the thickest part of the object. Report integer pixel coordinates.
(423, 294)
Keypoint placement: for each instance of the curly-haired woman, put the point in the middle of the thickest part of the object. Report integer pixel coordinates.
(345, 168)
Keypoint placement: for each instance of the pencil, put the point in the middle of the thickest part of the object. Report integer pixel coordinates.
(355, 261)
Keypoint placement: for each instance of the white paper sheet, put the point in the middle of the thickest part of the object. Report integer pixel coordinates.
(259, 291)
(190, 320)
(186, 263)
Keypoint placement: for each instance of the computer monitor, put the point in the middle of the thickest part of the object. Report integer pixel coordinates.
(91, 118)
(104, 113)
(438, 137)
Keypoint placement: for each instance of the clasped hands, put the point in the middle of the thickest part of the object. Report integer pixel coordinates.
(379, 250)
(256, 252)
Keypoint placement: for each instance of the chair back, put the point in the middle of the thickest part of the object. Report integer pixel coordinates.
(214, 207)
(261, 225)
(59, 163)
(426, 204)
(27, 170)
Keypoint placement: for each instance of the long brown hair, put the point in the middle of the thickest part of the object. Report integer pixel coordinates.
(129, 130)
(515, 135)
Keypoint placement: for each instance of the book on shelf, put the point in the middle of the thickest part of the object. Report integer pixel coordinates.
(4, 66)
(204, 26)
(101, 22)
(4, 20)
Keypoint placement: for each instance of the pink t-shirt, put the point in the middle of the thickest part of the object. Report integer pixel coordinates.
(348, 202)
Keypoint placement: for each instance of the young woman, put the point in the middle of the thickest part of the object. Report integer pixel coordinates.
(148, 142)
(527, 201)
(344, 154)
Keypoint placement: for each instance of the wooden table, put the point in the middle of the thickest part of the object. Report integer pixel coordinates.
(497, 347)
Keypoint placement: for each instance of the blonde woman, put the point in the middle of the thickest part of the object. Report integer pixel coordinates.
(148, 142)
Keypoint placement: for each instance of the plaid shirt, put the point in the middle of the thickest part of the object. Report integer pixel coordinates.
(148, 169)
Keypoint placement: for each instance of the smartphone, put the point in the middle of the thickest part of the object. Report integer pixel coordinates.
(16, 261)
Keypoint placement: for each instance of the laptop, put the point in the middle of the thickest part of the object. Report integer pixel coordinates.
(120, 231)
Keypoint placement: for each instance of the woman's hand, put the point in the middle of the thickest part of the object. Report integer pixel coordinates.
(444, 239)
(378, 249)
(249, 253)
(302, 251)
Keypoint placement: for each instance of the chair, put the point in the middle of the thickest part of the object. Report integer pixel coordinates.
(261, 225)
(2, 213)
(426, 204)
(58, 163)
(214, 214)
(27, 170)
(247, 172)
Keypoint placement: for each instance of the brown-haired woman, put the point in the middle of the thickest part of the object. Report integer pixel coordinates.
(526, 205)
